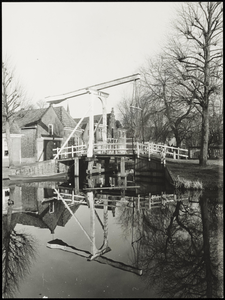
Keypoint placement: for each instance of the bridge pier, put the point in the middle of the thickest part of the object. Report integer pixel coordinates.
(107, 171)
(122, 178)
(76, 174)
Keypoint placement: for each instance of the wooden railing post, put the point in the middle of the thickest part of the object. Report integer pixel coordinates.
(174, 153)
(150, 201)
(72, 151)
(138, 204)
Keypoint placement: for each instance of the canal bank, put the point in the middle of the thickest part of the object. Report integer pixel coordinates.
(211, 176)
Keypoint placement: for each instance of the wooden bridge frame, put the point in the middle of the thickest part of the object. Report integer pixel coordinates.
(91, 149)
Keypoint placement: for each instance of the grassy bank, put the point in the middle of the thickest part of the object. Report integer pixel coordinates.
(211, 176)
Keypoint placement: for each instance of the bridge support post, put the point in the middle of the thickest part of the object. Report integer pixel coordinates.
(105, 214)
(76, 174)
(107, 171)
(122, 166)
(91, 126)
(103, 99)
(92, 222)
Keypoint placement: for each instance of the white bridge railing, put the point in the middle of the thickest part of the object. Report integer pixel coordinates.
(140, 202)
(71, 151)
(115, 147)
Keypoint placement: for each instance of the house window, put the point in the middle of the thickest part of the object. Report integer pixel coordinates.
(50, 129)
(5, 148)
(51, 207)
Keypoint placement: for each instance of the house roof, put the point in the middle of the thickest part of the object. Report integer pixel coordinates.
(66, 215)
(65, 117)
(32, 116)
(60, 217)
(26, 117)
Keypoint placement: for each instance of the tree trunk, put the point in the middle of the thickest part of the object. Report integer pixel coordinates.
(142, 128)
(9, 143)
(177, 137)
(205, 106)
(207, 258)
(205, 137)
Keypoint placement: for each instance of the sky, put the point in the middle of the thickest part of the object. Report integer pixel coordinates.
(59, 47)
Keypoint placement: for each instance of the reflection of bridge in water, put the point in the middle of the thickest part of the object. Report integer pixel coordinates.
(113, 201)
(46, 212)
(95, 254)
(105, 201)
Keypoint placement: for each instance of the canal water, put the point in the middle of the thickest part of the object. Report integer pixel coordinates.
(110, 243)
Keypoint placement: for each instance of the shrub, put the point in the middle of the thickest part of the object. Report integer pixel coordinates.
(182, 183)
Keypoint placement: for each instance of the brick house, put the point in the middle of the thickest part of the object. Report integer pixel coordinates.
(43, 130)
(114, 130)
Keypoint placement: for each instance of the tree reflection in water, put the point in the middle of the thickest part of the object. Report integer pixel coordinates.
(17, 254)
(131, 221)
(177, 247)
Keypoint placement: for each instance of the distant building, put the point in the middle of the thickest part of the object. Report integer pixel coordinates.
(114, 129)
(214, 152)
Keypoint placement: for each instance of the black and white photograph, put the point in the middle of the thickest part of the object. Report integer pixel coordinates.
(112, 150)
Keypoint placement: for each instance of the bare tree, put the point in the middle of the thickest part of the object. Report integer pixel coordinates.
(143, 119)
(126, 118)
(177, 246)
(13, 97)
(216, 122)
(41, 103)
(197, 54)
(168, 97)
(177, 256)
(18, 251)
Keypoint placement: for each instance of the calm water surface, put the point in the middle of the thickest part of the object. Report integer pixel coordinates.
(171, 250)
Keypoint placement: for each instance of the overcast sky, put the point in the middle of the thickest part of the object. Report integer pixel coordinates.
(59, 47)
